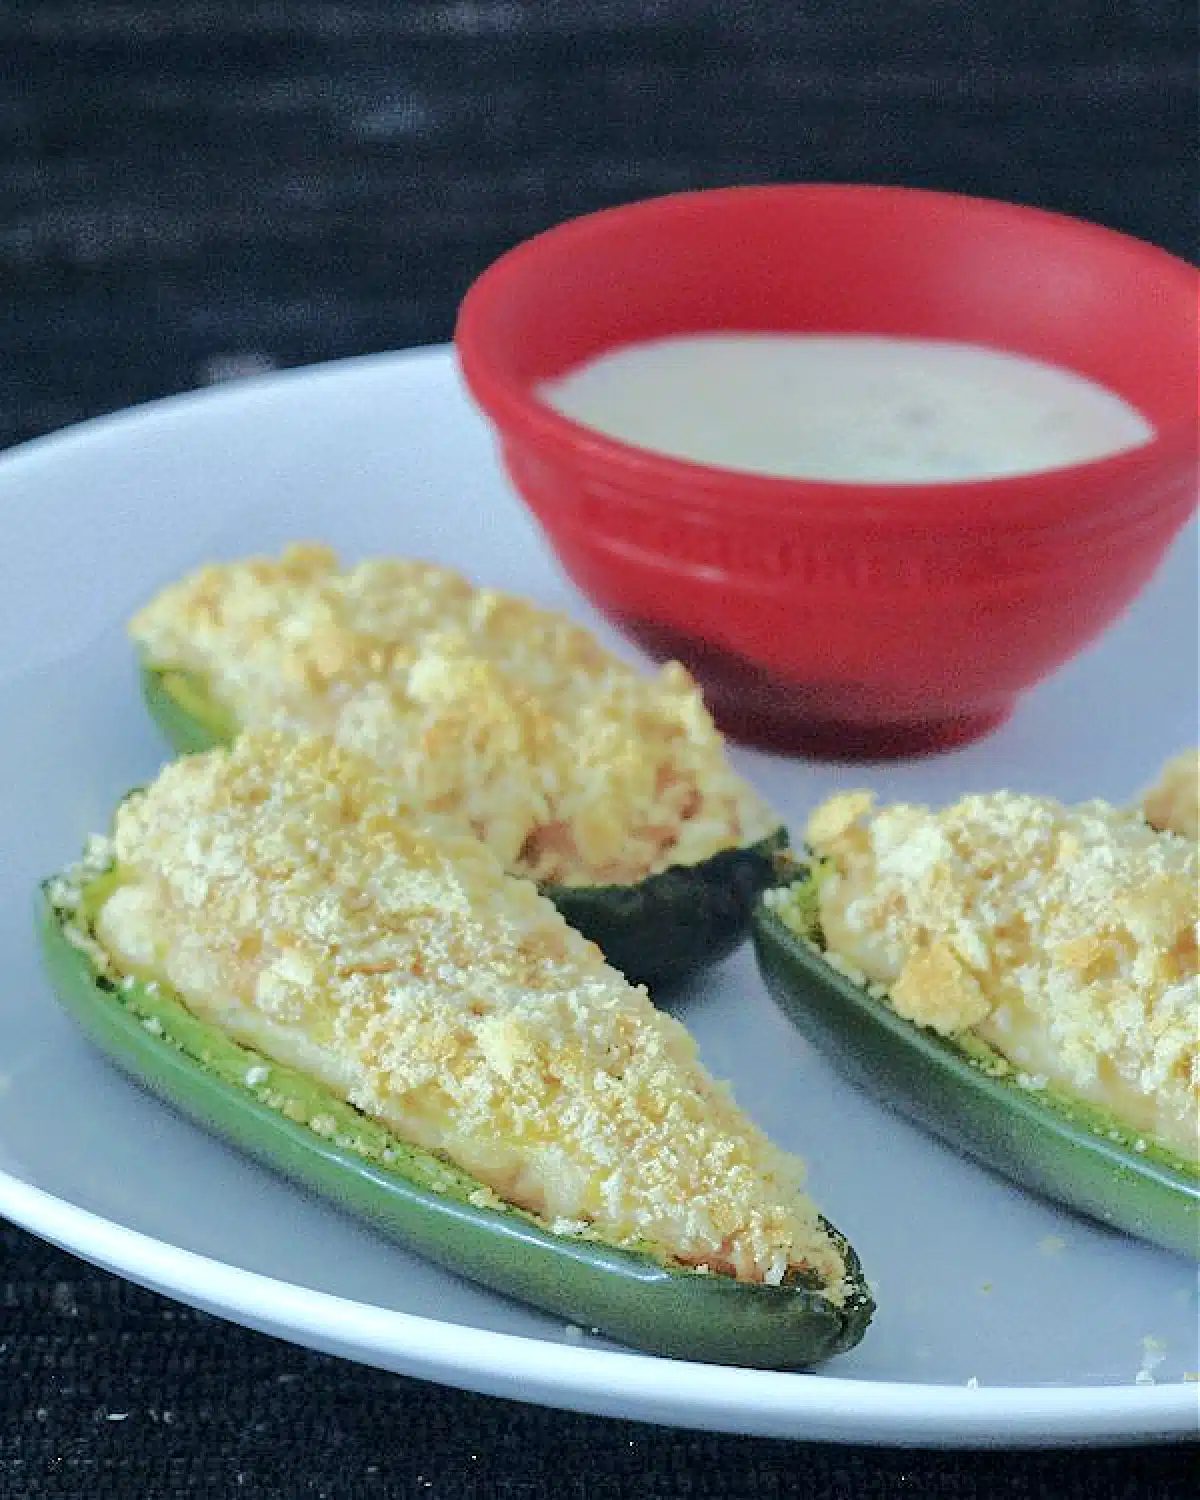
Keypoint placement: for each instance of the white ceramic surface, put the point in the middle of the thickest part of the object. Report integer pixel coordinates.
(1002, 1320)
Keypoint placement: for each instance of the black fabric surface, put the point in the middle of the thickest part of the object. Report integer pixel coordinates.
(109, 1393)
(197, 189)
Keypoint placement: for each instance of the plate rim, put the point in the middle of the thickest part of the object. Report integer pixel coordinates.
(235, 391)
(908, 1413)
(525, 1366)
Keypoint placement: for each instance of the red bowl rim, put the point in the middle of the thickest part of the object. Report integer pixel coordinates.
(512, 405)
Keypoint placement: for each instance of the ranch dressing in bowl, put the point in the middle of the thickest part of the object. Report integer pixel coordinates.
(847, 408)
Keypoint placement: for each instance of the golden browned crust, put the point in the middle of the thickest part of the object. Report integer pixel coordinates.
(287, 892)
(572, 766)
(1173, 802)
(1065, 936)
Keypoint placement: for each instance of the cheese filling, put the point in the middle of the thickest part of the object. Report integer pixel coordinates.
(1173, 802)
(573, 767)
(290, 897)
(1064, 937)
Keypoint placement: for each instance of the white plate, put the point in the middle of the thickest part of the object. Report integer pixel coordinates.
(1001, 1319)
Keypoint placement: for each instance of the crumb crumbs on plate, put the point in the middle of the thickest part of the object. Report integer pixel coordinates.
(1052, 1244)
(1154, 1351)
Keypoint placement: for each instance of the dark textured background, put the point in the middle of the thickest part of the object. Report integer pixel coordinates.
(196, 189)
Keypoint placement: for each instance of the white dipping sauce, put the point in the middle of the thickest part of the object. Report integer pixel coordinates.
(847, 407)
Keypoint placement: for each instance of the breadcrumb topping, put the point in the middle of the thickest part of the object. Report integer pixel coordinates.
(1065, 937)
(573, 767)
(1173, 802)
(287, 893)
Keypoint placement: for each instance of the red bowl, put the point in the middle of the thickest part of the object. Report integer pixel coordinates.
(846, 618)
